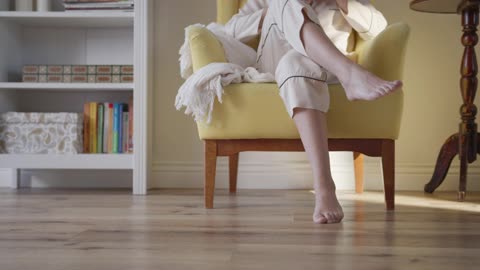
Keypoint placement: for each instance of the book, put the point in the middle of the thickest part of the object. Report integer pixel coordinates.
(130, 125)
(106, 123)
(100, 109)
(86, 128)
(93, 127)
(125, 129)
(110, 128)
(120, 128)
(116, 117)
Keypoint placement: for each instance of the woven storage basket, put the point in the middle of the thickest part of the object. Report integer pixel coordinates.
(41, 133)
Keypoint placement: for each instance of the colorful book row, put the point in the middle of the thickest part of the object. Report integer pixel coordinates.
(108, 127)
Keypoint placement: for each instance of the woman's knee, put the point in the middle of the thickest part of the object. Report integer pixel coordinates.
(294, 62)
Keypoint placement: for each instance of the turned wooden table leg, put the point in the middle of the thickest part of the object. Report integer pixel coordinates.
(468, 82)
(466, 142)
(478, 143)
(445, 158)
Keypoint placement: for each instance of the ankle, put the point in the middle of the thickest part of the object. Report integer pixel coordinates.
(345, 74)
(325, 186)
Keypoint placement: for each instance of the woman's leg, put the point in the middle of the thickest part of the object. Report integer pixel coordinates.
(359, 84)
(312, 126)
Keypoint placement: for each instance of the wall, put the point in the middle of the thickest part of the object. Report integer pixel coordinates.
(431, 109)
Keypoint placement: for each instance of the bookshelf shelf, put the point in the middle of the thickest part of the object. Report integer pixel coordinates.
(80, 161)
(67, 86)
(70, 19)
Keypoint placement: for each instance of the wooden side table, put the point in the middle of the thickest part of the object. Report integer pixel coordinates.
(466, 142)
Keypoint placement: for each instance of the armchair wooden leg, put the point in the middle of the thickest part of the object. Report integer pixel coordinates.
(359, 172)
(210, 170)
(233, 172)
(388, 166)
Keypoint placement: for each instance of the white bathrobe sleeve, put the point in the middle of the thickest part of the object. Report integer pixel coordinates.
(367, 21)
(245, 24)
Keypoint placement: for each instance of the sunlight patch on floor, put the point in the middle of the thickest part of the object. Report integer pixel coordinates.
(441, 200)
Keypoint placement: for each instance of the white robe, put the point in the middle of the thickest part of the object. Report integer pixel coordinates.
(362, 17)
(302, 82)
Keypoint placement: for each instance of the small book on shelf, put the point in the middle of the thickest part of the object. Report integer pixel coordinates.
(110, 128)
(130, 125)
(86, 128)
(100, 126)
(116, 127)
(125, 128)
(106, 126)
(93, 127)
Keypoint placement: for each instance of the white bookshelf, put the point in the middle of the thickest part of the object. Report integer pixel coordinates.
(79, 38)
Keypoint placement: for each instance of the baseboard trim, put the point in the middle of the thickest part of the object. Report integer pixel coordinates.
(297, 175)
(5, 177)
(252, 175)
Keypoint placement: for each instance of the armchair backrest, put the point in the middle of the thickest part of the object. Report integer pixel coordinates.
(227, 8)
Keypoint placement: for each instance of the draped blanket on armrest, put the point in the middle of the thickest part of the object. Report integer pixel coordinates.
(201, 87)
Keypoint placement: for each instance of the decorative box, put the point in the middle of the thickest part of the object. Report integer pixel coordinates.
(78, 73)
(41, 133)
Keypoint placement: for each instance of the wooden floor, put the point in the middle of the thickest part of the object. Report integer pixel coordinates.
(169, 229)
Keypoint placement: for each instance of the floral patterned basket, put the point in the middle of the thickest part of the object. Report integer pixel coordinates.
(41, 133)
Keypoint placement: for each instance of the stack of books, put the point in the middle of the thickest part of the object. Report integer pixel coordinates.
(78, 73)
(98, 5)
(108, 128)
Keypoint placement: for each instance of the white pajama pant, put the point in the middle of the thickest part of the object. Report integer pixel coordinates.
(302, 82)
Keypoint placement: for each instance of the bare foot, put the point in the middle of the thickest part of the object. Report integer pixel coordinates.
(360, 84)
(327, 207)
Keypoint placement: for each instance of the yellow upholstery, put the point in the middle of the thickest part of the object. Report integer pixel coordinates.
(256, 111)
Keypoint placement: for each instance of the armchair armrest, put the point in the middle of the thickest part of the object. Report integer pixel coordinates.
(204, 47)
(384, 55)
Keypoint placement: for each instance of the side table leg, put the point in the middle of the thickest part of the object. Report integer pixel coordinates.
(447, 153)
(478, 143)
(469, 82)
(462, 189)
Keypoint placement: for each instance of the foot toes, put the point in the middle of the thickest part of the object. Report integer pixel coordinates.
(320, 219)
(331, 218)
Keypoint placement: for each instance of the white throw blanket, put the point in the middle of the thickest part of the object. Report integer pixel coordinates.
(198, 92)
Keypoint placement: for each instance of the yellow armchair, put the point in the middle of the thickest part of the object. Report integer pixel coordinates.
(243, 122)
